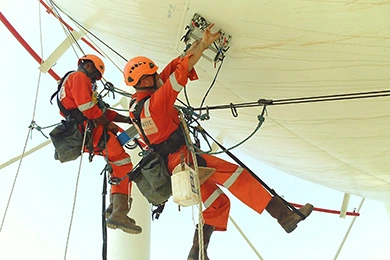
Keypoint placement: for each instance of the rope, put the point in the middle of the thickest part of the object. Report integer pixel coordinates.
(66, 30)
(246, 238)
(212, 84)
(28, 135)
(199, 128)
(301, 100)
(349, 229)
(89, 32)
(75, 196)
(197, 185)
(14, 183)
(259, 124)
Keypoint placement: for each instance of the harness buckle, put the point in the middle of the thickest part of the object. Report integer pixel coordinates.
(114, 181)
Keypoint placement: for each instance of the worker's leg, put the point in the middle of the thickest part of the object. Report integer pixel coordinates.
(239, 182)
(249, 190)
(120, 163)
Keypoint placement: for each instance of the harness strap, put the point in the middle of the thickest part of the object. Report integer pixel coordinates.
(73, 113)
(171, 145)
(59, 85)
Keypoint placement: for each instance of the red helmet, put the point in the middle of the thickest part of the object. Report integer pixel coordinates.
(136, 68)
(97, 62)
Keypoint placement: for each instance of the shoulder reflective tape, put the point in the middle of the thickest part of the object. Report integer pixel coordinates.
(146, 108)
(124, 161)
(210, 200)
(175, 85)
(62, 92)
(229, 182)
(66, 78)
(86, 106)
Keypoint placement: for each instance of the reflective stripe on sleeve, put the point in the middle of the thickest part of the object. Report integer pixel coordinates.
(125, 161)
(86, 106)
(212, 197)
(229, 182)
(175, 85)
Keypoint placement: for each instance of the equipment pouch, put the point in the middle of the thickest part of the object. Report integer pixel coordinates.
(152, 178)
(67, 140)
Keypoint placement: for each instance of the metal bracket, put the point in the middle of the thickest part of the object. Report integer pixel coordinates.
(194, 31)
(344, 206)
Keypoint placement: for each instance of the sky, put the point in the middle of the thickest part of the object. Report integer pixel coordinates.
(38, 217)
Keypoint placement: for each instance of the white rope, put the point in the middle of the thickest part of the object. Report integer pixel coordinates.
(75, 195)
(67, 33)
(28, 134)
(14, 183)
(246, 238)
(349, 229)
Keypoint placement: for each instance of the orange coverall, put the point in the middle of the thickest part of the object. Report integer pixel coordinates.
(76, 92)
(160, 119)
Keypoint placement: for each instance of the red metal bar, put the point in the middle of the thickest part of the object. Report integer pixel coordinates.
(356, 214)
(50, 11)
(25, 44)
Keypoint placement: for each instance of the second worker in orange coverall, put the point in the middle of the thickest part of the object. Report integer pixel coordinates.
(77, 95)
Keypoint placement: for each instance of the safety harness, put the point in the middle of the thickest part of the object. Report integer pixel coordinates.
(171, 145)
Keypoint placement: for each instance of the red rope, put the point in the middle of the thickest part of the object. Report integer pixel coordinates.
(356, 214)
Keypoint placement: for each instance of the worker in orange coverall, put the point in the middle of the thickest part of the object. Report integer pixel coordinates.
(160, 122)
(77, 94)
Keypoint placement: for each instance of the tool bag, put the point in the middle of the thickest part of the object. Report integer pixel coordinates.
(152, 178)
(67, 140)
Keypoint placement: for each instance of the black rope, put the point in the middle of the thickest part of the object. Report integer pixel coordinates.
(97, 38)
(238, 161)
(211, 85)
(302, 100)
(104, 227)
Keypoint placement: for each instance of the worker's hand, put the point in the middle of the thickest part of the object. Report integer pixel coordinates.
(113, 128)
(122, 119)
(208, 37)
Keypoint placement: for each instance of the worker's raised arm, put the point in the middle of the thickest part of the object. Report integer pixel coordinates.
(198, 47)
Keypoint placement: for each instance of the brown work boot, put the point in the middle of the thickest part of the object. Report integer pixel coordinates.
(286, 217)
(194, 252)
(110, 207)
(118, 217)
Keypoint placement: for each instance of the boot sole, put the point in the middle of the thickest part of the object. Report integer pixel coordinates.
(108, 214)
(124, 229)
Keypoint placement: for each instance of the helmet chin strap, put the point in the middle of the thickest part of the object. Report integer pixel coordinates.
(153, 87)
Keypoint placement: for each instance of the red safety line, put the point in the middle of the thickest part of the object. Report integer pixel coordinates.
(356, 214)
(50, 11)
(25, 44)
